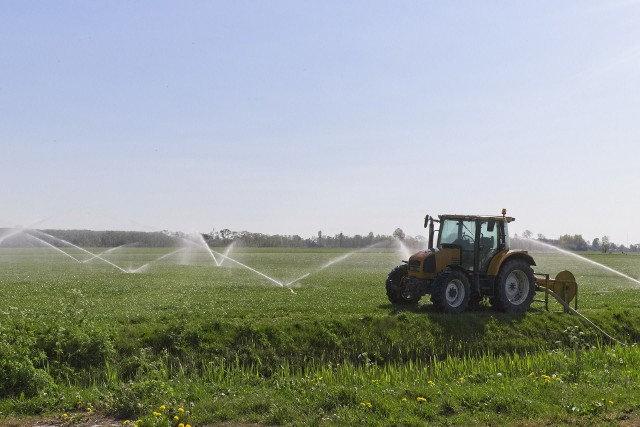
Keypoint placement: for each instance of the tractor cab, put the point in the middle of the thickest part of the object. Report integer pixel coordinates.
(477, 238)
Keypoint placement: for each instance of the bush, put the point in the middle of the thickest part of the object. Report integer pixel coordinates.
(18, 375)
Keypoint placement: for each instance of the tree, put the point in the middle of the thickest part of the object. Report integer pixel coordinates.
(399, 234)
(573, 243)
(606, 244)
(595, 245)
(370, 238)
(225, 235)
(527, 234)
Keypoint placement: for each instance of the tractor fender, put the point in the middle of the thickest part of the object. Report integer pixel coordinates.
(501, 257)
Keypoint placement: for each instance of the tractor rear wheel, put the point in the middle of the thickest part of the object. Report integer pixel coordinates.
(397, 290)
(515, 287)
(451, 292)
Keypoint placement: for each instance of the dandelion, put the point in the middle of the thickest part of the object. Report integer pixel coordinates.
(65, 415)
(404, 399)
(188, 425)
(157, 414)
(181, 425)
(431, 383)
(126, 422)
(176, 418)
(181, 410)
(421, 399)
(611, 402)
(162, 408)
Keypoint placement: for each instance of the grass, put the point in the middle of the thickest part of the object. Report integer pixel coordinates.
(229, 344)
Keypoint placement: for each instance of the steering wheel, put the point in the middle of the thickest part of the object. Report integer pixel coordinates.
(467, 239)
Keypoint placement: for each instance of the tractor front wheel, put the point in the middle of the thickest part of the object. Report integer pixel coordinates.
(451, 292)
(515, 287)
(397, 290)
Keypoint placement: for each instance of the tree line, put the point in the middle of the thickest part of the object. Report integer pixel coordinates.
(225, 236)
(577, 243)
(219, 238)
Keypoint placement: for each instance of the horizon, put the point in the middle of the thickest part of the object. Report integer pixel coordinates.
(534, 238)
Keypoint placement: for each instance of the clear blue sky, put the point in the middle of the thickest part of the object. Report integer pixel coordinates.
(297, 116)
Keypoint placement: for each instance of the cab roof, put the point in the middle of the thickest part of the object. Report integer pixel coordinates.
(478, 217)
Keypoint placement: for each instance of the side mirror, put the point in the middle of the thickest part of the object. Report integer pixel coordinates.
(426, 221)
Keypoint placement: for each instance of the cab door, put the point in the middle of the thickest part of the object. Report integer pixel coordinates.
(489, 239)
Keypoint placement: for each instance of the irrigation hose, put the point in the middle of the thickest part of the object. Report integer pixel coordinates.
(572, 310)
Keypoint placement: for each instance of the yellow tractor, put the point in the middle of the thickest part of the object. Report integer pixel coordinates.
(471, 261)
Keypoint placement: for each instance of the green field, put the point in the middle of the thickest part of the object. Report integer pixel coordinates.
(226, 344)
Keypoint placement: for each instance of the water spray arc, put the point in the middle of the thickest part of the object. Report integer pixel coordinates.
(612, 270)
(202, 241)
(259, 273)
(404, 250)
(219, 258)
(145, 266)
(10, 234)
(81, 249)
(44, 242)
(107, 251)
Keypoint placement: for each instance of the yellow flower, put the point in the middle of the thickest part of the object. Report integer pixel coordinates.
(404, 399)
(431, 383)
(188, 425)
(162, 408)
(126, 422)
(176, 418)
(181, 410)
(611, 402)
(156, 414)
(369, 405)
(421, 399)
(181, 425)
(65, 415)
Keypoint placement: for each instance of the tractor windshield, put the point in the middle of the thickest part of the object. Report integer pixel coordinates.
(457, 232)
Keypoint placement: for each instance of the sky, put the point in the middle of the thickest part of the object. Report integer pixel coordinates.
(290, 117)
